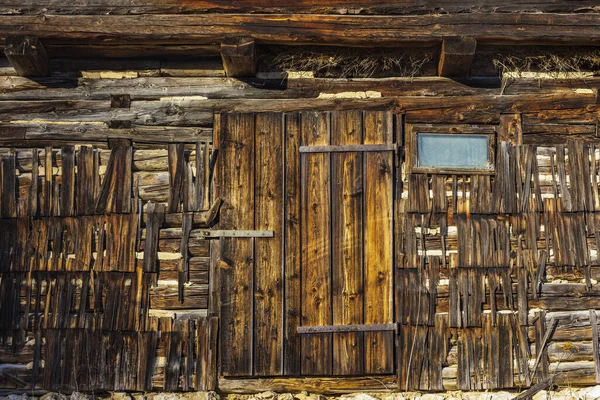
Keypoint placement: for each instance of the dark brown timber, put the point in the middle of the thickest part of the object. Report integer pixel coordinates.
(457, 56)
(27, 55)
(239, 56)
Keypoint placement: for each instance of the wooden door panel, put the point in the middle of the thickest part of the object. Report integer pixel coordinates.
(292, 247)
(379, 173)
(268, 269)
(236, 261)
(316, 245)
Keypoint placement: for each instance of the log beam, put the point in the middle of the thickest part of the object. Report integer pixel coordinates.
(239, 56)
(324, 385)
(406, 7)
(347, 30)
(27, 55)
(457, 56)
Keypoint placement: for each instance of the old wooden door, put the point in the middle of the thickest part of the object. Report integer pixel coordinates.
(317, 298)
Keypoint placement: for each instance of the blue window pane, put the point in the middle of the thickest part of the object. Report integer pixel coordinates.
(456, 151)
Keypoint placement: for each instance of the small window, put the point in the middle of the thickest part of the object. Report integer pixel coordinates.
(450, 149)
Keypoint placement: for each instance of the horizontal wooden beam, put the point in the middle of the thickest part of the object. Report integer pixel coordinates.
(348, 148)
(27, 55)
(185, 90)
(117, 7)
(324, 385)
(355, 30)
(64, 118)
(347, 328)
(23, 136)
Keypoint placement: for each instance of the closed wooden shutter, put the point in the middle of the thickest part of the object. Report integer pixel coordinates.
(323, 181)
(347, 202)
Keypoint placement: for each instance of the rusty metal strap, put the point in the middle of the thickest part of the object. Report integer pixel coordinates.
(348, 148)
(210, 234)
(347, 328)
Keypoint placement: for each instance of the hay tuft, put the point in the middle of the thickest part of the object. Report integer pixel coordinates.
(354, 63)
(555, 63)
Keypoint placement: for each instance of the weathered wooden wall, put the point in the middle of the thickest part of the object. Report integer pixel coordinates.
(540, 207)
(103, 273)
(497, 260)
(486, 265)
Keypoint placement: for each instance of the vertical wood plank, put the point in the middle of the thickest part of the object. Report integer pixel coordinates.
(540, 332)
(378, 242)
(236, 187)
(188, 362)
(85, 181)
(565, 194)
(46, 199)
(400, 236)
(9, 185)
(109, 183)
(174, 354)
(506, 367)
(595, 344)
(33, 199)
(115, 193)
(155, 216)
(67, 195)
(214, 298)
(522, 351)
(594, 178)
(188, 191)
(438, 352)
(183, 265)
(347, 242)
(268, 271)
(316, 245)
(202, 176)
(292, 247)
(577, 182)
(523, 283)
(176, 173)
(206, 351)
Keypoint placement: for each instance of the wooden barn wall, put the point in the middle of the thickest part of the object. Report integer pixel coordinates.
(103, 269)
(486, 268)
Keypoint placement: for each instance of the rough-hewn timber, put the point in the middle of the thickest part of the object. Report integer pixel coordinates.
(535, 28)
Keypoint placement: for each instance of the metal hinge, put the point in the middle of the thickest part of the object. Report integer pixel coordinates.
(216, 233)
